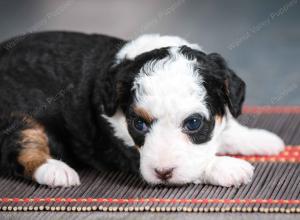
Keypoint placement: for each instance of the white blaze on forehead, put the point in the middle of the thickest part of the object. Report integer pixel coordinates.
(149, 42)
(171, 87)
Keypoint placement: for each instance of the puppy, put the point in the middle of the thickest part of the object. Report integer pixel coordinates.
(157, 105)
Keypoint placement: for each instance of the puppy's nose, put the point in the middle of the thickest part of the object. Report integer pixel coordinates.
(164, 174)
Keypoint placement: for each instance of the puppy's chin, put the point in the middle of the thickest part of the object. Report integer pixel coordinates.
(171, 182)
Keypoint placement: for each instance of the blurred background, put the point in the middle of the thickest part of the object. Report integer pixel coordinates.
(259, 39)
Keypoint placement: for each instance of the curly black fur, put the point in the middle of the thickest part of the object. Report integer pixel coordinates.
(62, 79)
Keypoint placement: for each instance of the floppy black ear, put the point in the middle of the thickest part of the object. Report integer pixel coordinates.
(105, 93)
(235, 87)
(113, 88)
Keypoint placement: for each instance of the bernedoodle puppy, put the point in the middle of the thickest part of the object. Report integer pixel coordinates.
(157, 105)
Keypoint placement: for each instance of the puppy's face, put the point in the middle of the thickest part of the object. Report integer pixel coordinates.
(174, 100)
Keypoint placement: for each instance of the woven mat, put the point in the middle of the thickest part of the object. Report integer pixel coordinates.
(275, 186)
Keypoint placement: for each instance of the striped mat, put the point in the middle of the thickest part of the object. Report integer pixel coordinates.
(275, 186)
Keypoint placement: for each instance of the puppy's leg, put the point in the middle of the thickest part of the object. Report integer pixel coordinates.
(228, 171)
(25, 151)
(238, 139)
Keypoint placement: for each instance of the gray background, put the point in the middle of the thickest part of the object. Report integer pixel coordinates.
(259, 39)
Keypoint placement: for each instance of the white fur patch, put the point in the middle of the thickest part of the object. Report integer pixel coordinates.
(55, 173)
(171, 86)
(119, 124)
(238, 139)
(149, 42)
(228, 171)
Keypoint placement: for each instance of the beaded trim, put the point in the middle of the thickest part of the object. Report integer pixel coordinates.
(147, 209)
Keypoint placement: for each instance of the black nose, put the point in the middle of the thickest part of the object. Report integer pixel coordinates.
(164, 174)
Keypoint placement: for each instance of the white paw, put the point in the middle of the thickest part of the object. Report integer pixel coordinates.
(56, 173)
(228, 171)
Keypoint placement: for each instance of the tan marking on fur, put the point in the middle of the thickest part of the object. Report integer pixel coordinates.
(218, 119)
(227, 85)
(185, 137)
(137, 147)
(144, 114)
(35, 148)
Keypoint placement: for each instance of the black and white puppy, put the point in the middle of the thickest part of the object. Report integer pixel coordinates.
(156, 105)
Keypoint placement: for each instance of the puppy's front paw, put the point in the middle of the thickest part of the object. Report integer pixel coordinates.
(56, 173)
(228, 171)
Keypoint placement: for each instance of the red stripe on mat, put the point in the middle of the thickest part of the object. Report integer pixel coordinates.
(290, 154)
(153, 200)
(271, 109)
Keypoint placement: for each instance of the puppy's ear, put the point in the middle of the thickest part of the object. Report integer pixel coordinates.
(235, 87)
(113, 88)
(105, 94)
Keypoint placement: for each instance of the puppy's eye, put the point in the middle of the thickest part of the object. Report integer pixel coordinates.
(140, 125)
(192, 123)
